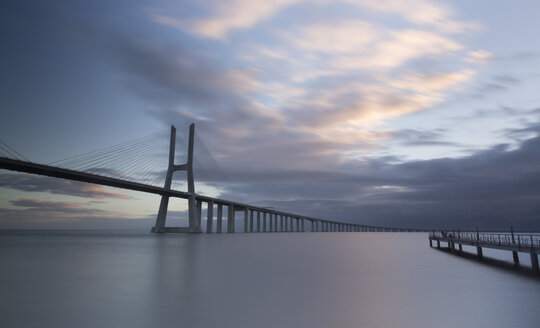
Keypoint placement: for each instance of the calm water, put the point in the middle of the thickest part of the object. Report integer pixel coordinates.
(99, 279)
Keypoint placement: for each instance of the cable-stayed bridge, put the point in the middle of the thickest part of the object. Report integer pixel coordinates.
(136, 165)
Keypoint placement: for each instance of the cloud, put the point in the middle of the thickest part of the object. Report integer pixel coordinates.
(479, 56)
(493, 188)
(340, 37)
(224, 17)
(34, 183)
(399, 48)
(40, 206)
(227, 16)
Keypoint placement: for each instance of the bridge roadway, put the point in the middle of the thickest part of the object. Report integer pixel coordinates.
(508, 241)
(286, 219)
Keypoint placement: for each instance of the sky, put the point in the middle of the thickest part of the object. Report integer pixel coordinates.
(416, 113)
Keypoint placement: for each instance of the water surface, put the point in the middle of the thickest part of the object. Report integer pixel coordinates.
(138, 279)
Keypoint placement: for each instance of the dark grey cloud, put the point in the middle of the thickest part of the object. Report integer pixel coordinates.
(412, 137)
(493, 188)
(35, 183)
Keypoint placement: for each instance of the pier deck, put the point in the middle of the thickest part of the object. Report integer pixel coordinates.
(508, 241)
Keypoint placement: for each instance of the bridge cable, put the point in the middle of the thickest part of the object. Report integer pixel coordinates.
(18, 156)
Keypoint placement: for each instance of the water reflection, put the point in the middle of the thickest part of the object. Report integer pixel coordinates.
(253, 280)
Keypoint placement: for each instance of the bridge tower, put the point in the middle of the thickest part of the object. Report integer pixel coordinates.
(194, 218)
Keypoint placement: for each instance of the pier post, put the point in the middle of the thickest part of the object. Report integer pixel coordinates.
(303, 225)
(438, 244)
(270, 221)
(264, 221)
(210, 217)
(516, 257)
(281, 223)
(534, 263)
(479, 252)
(512, 232)
(460, 248)
(275, 223)
(297, 224)
(430, 242)
(219, 218)
(258, 221)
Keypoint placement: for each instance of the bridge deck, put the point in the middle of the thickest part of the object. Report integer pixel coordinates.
(57, 172)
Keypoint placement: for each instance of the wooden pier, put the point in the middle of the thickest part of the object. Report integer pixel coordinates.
(508, 241)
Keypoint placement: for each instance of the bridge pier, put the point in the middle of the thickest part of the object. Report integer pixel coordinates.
(270, 227)
(250, 220)
(230, 218)
(246, 219)
(264, 221)
(210, 217)
(258, 221)
(219, 226)
(291, 224)
(275, 223)
(303, 225)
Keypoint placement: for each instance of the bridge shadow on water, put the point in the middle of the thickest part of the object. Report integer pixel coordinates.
(506, 266)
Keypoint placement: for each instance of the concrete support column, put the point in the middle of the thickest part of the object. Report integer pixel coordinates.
(246, 220)
(438, 244)
(250, 220)
(275, 223)
(303, 225)
(230, 218)
(270, 221)
(460, 248)
(264, 221)
(219, 218)
(210, 217)
(198, 206)
(534, 262)
(291, 223)
(297, 224)
(312, 226)
(286, 219)
(281, 223)
(258, 221)
(516, 257)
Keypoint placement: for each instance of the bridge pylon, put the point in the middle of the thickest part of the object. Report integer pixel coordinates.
(194, 217)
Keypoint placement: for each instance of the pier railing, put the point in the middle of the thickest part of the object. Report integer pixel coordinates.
(508, 241)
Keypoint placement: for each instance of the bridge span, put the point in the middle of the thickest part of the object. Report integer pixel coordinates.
(255, 218)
